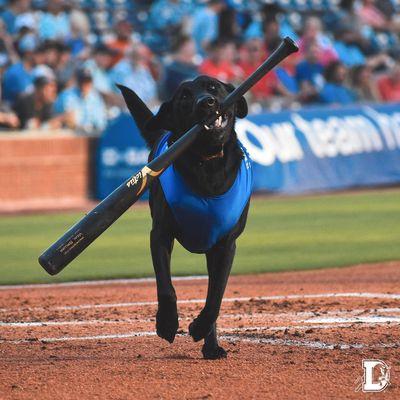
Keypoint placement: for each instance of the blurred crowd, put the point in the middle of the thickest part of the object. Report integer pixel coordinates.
(60, 59)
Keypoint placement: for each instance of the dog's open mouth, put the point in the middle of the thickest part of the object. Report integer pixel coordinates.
(220, 123)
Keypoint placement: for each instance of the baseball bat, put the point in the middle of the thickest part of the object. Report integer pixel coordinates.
(93, 224)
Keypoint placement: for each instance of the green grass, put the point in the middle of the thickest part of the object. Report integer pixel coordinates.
(288, 233)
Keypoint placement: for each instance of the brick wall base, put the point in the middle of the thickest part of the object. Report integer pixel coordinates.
(47, 171)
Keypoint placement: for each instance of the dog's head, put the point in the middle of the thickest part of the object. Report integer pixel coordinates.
(195, 101)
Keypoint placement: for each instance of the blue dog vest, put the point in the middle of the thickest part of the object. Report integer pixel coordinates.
(203, 221)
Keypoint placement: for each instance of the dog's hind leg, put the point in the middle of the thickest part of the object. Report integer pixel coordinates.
(161, 243)
(219, 263)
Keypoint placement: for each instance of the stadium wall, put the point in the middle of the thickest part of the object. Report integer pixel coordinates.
(300, 151)
(45, 171)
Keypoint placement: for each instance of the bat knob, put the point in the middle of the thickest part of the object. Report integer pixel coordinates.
(291, 45)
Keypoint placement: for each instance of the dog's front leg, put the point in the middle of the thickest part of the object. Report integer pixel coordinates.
(219, 263)
(161, 243)
(211, 349)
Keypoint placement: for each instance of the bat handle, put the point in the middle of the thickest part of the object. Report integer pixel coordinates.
(287, 47)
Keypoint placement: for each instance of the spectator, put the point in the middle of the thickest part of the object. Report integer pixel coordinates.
(334, 90)
(8, 119)
(80, 31)
(346, 23)
(134, 73)
(228, 27)
(313, 33)
(372, 16)
(252, 55)
(182, 66)
(99, 66)
(220, 62)
(7, 50)
(12, 11)
(347, 50)
(166, 22)
(387, 7)
(18, 78)
(51, 53)
(66, 66)
(309, 73)
(272, 35)
(82, 105)
(54, 22)
(35, 110)
(205, 24)
(123, 43)
(389, 85)
(364, 84)
(61, 38)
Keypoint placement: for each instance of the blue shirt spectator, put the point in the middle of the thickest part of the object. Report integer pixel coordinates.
(9, 18)
(205, 24)
(333, 93)
(181, 67)
(334, 90)
(175, 73)
(310, 72)
(84, 102)
(165, 20)
(14, 9)
(101, 79)
(255, 30)
(17, 80)
(349, 55)
(54, 24)
(166, 13)
(137, 77)
(287, 80)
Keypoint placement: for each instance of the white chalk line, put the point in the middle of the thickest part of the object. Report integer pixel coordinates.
(225, 300)
(232, 335)
(102, 282)
(337, 318)
(306, 343)
(360, 319)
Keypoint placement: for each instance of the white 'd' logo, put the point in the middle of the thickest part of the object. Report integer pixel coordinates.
(371, 383)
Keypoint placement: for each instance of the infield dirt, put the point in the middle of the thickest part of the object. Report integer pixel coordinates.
(293, 335)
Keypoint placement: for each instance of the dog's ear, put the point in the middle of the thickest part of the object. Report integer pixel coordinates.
(241, 104)
(163, 118)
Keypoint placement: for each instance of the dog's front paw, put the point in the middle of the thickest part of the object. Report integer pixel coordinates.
(200, 327)
(167, 319)
(213, 353)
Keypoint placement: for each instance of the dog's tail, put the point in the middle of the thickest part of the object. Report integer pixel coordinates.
(141, 114)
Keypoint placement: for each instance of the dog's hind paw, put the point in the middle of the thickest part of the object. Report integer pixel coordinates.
(200, 328)
(213, 353)
(167, 320)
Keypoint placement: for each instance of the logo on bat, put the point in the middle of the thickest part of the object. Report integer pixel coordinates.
(143, 174)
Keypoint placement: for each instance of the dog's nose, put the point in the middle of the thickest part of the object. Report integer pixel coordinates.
(206, 103)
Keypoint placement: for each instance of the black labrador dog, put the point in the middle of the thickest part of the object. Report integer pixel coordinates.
(202, 200)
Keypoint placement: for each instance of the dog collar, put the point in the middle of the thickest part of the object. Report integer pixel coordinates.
(217, 155)
(220, 154)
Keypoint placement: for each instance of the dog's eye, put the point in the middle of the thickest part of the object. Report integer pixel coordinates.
(212, 88)
(185, 95)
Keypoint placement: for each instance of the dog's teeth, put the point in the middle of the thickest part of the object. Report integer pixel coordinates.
(218, 122)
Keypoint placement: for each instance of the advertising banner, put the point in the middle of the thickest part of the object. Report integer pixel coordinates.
(315, 149)
(323, 148)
